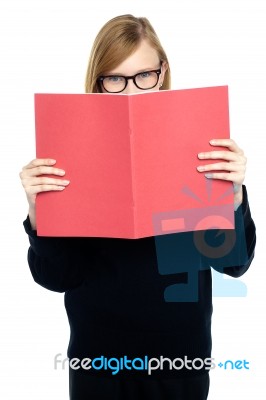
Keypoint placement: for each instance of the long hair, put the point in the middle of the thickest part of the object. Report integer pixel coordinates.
(116, 41)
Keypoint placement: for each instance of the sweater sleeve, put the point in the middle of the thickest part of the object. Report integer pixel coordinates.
(55, 262)
(241, 243)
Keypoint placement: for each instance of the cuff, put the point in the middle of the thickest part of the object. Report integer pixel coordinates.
(44, 246)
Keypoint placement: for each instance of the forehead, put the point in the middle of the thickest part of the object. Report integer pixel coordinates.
(145, 57)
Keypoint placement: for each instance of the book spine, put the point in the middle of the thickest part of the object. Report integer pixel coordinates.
(132, 156)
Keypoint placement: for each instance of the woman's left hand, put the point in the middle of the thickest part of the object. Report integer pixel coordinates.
(232, 163)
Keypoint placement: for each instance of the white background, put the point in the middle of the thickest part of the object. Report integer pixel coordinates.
(45, 47)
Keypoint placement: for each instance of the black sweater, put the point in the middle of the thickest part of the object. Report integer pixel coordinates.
(121, 302)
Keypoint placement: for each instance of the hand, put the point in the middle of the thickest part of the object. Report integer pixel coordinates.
(233, 165)
(34, 183)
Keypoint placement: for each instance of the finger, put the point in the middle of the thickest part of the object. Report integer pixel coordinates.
(222, 155)
(41, 170)
(230, 143)
(227, 166)
(44, 188)
(234, 177)
(44, 181)
(39, 161)
(214, 155)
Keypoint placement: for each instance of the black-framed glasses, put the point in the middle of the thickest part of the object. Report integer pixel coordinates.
(117, 83)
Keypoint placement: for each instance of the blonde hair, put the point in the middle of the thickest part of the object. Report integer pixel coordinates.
(116, 41)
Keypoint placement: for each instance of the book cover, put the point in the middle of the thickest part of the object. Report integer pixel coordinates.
(131, 161)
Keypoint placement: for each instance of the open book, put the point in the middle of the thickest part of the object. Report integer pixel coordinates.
(131, 161)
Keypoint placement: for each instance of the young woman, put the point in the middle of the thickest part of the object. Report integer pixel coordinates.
(114, 294)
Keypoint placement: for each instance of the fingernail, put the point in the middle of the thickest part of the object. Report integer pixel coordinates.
(200, 168)
(66, 182)
(200, 155)
(208, 175)
(213, 141)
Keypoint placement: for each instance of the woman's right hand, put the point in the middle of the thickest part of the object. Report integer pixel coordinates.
(33, 182)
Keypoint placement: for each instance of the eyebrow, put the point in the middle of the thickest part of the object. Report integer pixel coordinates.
(138, 72)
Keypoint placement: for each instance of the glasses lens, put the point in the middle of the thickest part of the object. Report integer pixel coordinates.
(147, 80)
(114, 84)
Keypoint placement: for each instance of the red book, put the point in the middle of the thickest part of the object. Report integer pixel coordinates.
(131, 161)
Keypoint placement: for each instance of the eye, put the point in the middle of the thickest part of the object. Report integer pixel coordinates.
(144, 75)
(114, 79)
